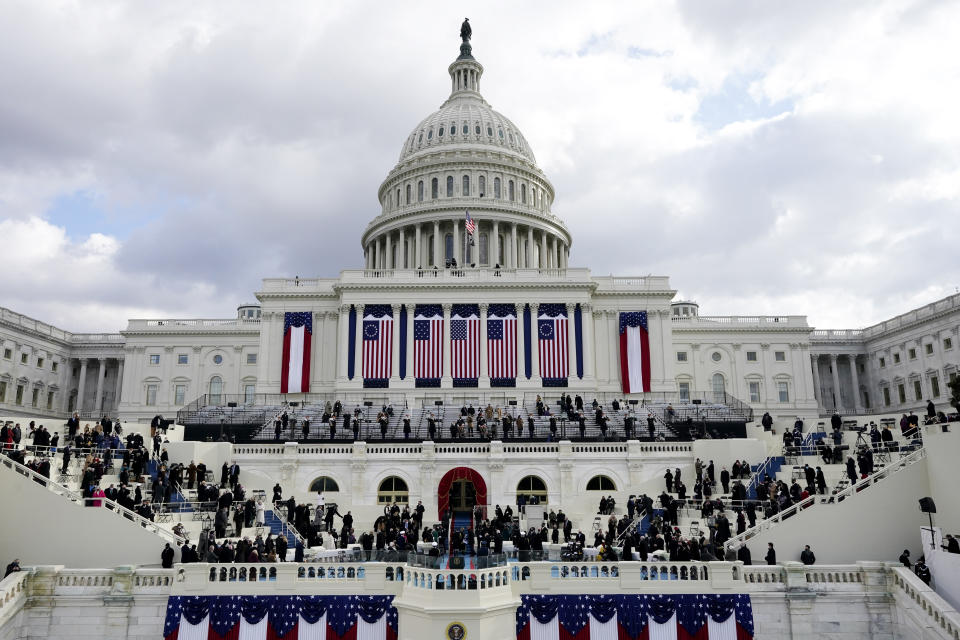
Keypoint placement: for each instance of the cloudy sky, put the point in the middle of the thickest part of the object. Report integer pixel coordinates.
(157, 159)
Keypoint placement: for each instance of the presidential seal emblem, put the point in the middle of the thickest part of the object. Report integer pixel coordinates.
(456, 631)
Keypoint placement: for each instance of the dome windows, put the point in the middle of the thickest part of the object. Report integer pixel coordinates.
(440, 133)
(466, 128)
(409, 189)
(434, 188)
(510, 194)
(449, 186)
(420, 191)
(496, 188)
(466, 186)
(483, 185)
(523, 193)
(477, 130)
(420, 139)
(490, 131)
(430, 134)
(500, 131)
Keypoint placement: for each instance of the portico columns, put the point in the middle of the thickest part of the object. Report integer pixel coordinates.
(512, 260)
(856, 383)
(343, 343)
(403, 250)
(119, 384)
(817, 392)
(395, 347)
(436, 244)
(543, 251)
(417, 260)
(447, 381)
(456, 244)
(528, 253)
(494, 257)
(388, 253)
(358, 348)
(101, 375)
(81, 387)
(484, 380)
(586, 316)
(837, 398)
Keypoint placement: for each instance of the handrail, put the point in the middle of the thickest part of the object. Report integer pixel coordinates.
(13, 593)
(835, 498)
(77, 497)
(938, 611)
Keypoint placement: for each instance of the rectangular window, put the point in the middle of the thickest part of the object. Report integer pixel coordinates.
(53, 366)
(180, 394)
(935, 386)
(151, 395)
(35, 398)
(783, 391)
(902, 393)
(912, 353)
(681, 356)
(7, 354)
(929, 348)
(249, 391)
(917, 390)
(23, 358)
(49, 399)
(751, 356)
(39, 363)
(896, 358)
(947, 344)
(780, 356)
(886, 396)
(19, 394)
(3, 391)
(182, 358)
(251, 358)
(754, 392)
(883, 362)
(154, 358)
(684, 390)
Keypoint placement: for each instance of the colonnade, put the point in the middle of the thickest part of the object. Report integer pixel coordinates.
(97, 406)
(834, 389)
(484, 376)
(423, 245)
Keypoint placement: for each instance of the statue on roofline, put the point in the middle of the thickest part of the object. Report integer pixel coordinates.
(465, 30)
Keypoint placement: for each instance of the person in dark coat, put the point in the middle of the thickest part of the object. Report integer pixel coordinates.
(806, 556)
(743, 555)
(771, 556)
(922, 571)
(851, 470)
(166, 557)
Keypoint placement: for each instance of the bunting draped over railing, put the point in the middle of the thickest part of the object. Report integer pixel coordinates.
(280, 617)
(635, 617)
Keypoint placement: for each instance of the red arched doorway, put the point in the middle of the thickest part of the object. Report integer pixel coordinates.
(459, 473)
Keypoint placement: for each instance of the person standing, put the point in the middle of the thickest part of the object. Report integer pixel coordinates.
(806, 556)
(166, 557)
(771, 556)
(922, 571)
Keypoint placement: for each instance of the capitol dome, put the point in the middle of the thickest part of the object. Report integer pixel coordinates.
(466, 157)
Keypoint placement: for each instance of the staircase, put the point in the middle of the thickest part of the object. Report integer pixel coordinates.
(179, 503)
(770, 467)
(278, 527)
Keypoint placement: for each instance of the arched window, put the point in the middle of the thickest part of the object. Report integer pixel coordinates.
(533, 486)
(483, 185)
(510, 194)
(324, 483)
(523, 193)
(484, 257)
(466, 186)
(216, 390)
(719, 388)
(601, 483)
(496, 188)
(434, 188)
(448, 246)
(449, 186)
(420, 191)
(393, 489)
(409, 190)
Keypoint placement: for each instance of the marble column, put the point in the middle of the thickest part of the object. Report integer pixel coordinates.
(101, 376)
(388, 252)
(447, 381)
(528, 250)
(817, 393)
(409, 338)
(417, 260)
(586, 313)
(543, 263)
(484, 380)
(343, 341)
(837, 397)
(493, 258)
(854, 379)
(403, 250)
(437, 260)
(395, 348)
(512, 260)
(81, 387)
(119, 386)
(358, 347)
(535, 344)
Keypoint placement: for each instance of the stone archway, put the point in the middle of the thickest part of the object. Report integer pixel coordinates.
(459, 473)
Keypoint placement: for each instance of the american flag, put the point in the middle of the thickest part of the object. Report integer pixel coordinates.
(613, 617)
(465, 342)
(502, 341)
(470, 225)
(280, 617)
(428, 342)
(377, 342)
(295, 363)
(553, 341)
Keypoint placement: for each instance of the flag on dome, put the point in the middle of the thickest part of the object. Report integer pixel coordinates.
(635, 617)
(634, 352)
(502, 342)
(280, 618)
(470, 225)
(377, 344)
(465, 344)
(553, 342)
(295, 367)
(428, 343)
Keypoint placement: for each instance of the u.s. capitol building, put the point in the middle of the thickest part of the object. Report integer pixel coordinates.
(468, 293)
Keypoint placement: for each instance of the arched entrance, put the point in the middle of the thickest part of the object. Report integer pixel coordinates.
(466, 486)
